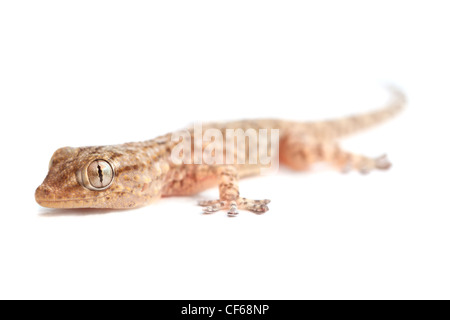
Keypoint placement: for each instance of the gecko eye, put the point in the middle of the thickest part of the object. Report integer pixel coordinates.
(100, 175)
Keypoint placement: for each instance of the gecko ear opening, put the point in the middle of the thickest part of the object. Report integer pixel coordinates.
(96, 175)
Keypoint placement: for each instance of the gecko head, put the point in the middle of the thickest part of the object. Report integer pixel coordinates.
(92, 177)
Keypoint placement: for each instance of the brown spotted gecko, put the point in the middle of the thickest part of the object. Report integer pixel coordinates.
(135, 174)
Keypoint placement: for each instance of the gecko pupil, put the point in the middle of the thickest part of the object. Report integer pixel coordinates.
(100, 174)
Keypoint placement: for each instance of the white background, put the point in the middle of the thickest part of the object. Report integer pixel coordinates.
(105, 72)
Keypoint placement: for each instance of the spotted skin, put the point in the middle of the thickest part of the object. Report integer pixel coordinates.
(145, 171)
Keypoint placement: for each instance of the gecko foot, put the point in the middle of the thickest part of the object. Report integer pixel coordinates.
(380, 163)
(256, 206)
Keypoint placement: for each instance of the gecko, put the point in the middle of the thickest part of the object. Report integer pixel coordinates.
(136, 174)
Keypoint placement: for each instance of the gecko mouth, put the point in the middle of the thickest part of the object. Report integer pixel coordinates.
(46, 197)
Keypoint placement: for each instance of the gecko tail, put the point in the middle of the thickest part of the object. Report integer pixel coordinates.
(352, 124)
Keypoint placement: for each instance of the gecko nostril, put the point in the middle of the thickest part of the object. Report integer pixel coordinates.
(44, 189)
(44, 192)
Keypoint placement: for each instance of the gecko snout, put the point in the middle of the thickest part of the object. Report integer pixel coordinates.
(44, 193)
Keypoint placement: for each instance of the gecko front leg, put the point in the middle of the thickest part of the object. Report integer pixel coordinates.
(229, 195)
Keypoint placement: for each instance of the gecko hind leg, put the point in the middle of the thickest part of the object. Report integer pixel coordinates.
(347, 161)
(299, 153)
(230, 199)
